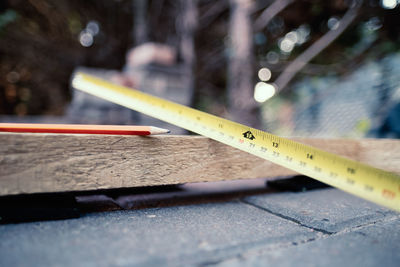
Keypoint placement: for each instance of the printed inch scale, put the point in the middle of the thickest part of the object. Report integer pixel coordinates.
(356, 178)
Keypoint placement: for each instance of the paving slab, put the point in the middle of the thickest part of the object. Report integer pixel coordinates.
(377, 244)
(183, 235)
(327, 210)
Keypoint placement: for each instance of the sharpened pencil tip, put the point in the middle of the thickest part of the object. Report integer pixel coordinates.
(156, 130)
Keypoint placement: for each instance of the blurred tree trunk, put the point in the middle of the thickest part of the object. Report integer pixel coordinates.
(140, 34)
(186, 28)
(242, 106)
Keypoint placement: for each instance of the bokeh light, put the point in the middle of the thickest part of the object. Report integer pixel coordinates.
(333, 23)
(264, 74)
(263, 91)
(286, 45)
(292, 36)
(86, 38)
(389, 4)
(93, 27)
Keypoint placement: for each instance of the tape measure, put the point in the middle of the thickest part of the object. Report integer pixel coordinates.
(356, 178)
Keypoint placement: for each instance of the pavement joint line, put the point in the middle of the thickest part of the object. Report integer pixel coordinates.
(287, 218)
(356, 228)
(260, 250)
(239, 251)
(387, 217)
(257, 249)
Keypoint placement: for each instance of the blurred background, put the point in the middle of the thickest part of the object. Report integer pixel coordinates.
(290, 67)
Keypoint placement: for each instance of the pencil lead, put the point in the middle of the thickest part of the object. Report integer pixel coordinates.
(156, 130)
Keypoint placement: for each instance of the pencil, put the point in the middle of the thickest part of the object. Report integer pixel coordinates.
(81, 129)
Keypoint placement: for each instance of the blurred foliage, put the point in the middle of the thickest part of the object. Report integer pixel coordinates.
(39, 48)
(7, 17)
(40, 44)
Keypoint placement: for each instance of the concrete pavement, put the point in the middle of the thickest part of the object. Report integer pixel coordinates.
(323, 227)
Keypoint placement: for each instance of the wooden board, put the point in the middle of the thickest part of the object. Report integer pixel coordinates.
(33, 163)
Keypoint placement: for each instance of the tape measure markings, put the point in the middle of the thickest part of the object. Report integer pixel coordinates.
(362, 180)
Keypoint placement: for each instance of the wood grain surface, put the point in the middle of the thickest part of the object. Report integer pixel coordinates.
(33, 163)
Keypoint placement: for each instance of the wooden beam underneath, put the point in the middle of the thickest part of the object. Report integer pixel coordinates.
(34, 163)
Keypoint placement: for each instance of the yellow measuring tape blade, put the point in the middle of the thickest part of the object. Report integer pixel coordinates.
(356, 178)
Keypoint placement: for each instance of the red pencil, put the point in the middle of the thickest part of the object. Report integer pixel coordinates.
(81, 129)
